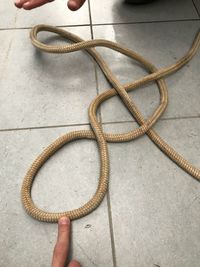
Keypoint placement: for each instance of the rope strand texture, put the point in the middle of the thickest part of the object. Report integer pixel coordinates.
(102, 138)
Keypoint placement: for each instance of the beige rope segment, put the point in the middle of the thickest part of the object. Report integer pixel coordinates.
(102, 138)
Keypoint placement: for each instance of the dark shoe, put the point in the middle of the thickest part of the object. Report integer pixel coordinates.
(137, 2)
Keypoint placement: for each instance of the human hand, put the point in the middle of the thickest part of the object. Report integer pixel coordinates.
(61, 249)
(30, 4)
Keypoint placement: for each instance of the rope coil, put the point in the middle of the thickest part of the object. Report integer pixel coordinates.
(102, 138)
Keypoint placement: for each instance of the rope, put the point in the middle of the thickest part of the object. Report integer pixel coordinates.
(102, 138)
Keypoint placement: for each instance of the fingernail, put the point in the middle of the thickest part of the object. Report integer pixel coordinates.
(26, 4)
(64, 220)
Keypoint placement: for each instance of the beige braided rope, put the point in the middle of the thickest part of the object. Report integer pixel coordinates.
(97, 132)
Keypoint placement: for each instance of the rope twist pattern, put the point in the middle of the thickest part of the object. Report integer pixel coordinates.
(102, 138)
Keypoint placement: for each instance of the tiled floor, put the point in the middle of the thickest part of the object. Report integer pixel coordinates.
(151, 216)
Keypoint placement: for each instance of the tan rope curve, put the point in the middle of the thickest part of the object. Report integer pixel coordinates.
(97, 133)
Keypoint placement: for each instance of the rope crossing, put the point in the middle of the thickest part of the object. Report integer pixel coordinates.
(102, 139)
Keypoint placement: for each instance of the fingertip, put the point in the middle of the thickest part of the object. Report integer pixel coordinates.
(18, 6)
(18, 3)
(72, 5)
(74, 263)
(64, 221)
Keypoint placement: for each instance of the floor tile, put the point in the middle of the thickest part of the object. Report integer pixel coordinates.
(183, 86)
(118, 12)
(39, 89)
(8, 14)
(155, 205)
(11, 17)
(197, 4)
(72, 179)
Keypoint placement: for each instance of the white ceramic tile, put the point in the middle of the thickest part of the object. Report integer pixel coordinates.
(155, 205)
(67, 181)
(161, 10)
(54, 13)
(162, 44)
(8, 14)
(39, 89)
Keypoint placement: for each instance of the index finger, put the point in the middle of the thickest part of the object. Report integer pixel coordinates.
(62, 246)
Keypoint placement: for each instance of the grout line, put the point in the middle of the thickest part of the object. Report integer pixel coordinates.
(100, 119)
(197, 10)
(108, 193)
(90, 17)
(145, 22)
(111, 230)
(87, 124)
(97, 89)
(30, 27)
(162, 119)
(97, 79)
(95, 65)
(180, 118)
(104, 24)
(44, 127)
